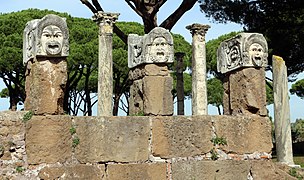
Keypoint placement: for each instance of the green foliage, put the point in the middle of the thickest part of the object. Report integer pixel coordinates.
(293, 172)
(281, 22)
(215, 92)
(72, 130)
(269, 93)
(297, 130)
(75, 142)
(214, 154)
(187, 84)
(19, 169)
(298, 88)
(27, 116)
(140, 113)
(219, 141)
(4, 93)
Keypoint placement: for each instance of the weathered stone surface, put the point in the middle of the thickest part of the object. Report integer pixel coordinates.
(244, 134)
(157, 96)
(227, 170)
(73, 172)
(154, 47)
(181, 136)
(105, 22)
(45, 85)
(48, 139)
(136, 171)
(261, 170)
(243, 50)
(156, 70)
(47, 37)
(245, 92)
(136, 101)
(199, 81)
(281, 111)
(12, 142)
(103, 139)
(210, 170)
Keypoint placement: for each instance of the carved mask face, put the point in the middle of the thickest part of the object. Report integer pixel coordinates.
(256, 52)
(52, 40)
(159, 49)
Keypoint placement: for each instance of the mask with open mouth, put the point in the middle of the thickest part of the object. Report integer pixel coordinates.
(52, 40)
(256, 52)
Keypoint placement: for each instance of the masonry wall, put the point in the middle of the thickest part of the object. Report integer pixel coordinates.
(175, 147)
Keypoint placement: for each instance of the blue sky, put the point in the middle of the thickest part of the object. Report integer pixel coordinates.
(77, 9)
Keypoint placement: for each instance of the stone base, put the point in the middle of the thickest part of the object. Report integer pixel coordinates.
(245, 92)
(162, 147)
(150, 92)
(44, 85)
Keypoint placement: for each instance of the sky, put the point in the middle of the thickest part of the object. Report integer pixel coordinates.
(76, 9)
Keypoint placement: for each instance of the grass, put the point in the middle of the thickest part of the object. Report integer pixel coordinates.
(299, 160)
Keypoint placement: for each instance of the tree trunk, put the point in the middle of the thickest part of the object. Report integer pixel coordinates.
(87, 93)
(116, 104)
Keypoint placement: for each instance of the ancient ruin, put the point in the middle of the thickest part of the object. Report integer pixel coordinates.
(242, 59)
(199, 72)
(45, 48)
(156, 146)
(105, 22)
(281, 112)
(150, 92)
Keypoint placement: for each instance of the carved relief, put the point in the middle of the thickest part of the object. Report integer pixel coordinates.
(135, 44)
(243, 50)
(106, 20)
(155, 47)
(48, 37)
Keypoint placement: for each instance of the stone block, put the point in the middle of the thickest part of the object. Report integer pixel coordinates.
(136, 102)
(157, 95)
(181, 136)
(119, 139)
(155, 171)
(45, 85)
(244, 134)
(245, 91)
(156, 70)
(48, 139)
(73, 172)
(210, 170)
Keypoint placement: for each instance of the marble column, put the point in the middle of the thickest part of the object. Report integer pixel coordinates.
(180, 83)
(199, 82)
(281, 112)
(105, 22)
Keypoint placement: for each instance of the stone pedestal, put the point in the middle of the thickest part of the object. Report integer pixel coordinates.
(242, 59)
(245, 92)
(150, 92)
(105, 22)
(151, 84)
(199, 82)
(281, 112)
(45, 48)
(45, 85)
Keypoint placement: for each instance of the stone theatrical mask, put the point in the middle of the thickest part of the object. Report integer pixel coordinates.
(52, 40)
(159, 50)
(243, 50)
(256, 53)
(154, 47)
(158, 46)
(46, 37)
